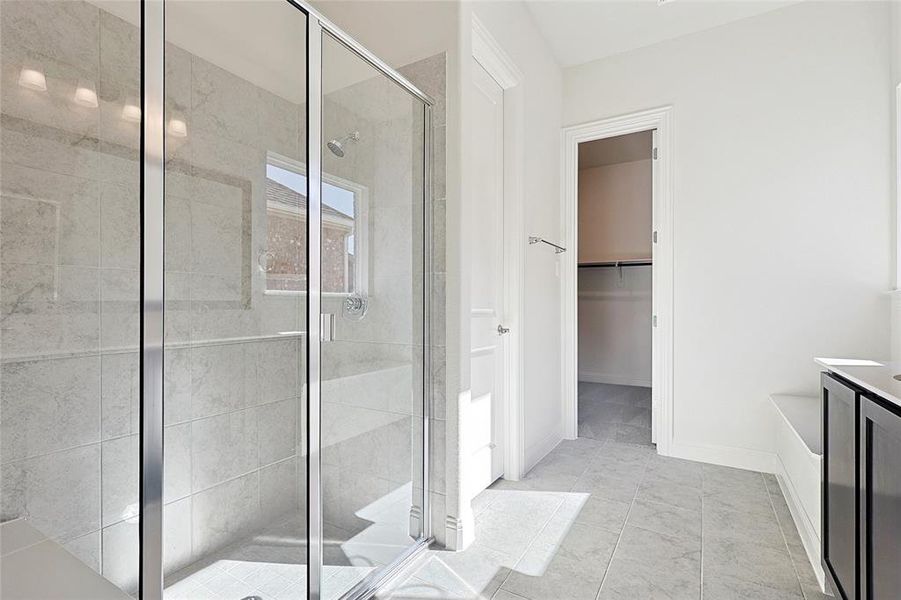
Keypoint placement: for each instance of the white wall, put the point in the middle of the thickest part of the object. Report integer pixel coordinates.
(615, 326)
(783, 208)
(896, 80)
(615, 208)
(511, 24)
(614, 306)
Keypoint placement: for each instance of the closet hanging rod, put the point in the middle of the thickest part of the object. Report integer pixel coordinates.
(534, 239)
(617, 263)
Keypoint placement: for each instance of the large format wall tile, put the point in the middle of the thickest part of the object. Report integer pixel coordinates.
(279, 491)
(55, 310)
(119, 394)
(119, 468)
(271, 370)
(217, 379)
(49, 406)
(60, 492)
(223, 447)
(66, 31)
(120, 314)
(120, 226)
(276, 422)
(225, 513)
(76, 233)
(177, 535)
(121, 553)
(177, 462)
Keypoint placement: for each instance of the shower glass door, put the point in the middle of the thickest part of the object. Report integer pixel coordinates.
(372, 299)
(236, 295)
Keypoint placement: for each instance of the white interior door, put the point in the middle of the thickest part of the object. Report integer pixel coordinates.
(485, 430)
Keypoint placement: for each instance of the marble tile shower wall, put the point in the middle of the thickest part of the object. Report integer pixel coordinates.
(70, 297)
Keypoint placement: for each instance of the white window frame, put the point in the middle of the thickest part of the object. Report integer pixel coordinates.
(361, 225)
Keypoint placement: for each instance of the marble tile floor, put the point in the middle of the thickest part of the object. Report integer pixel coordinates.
(615, 412)
(603, 520)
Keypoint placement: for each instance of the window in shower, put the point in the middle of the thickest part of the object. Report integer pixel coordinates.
(344, 231)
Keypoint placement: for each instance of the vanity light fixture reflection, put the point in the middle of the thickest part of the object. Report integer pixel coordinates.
(86, 94)
(131, 112)
(32, 79)
(177, 128)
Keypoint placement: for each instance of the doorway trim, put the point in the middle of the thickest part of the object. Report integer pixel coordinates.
(660, 120)
(498, 64)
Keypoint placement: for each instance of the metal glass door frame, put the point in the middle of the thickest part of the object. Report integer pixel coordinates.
(152, 174)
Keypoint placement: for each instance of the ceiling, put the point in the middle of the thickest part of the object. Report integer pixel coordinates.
(583, 31)
(615, 150)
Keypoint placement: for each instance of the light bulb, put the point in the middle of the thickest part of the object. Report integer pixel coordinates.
(33, 79)
(177, 128)
(85, 94)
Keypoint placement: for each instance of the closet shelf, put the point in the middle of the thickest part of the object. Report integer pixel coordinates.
(642, 262)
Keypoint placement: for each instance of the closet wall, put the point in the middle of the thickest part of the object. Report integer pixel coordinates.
(615, 201)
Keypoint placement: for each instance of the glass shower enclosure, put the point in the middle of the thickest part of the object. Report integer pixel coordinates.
(215, 255)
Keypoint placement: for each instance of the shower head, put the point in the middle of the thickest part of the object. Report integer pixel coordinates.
(336, 146)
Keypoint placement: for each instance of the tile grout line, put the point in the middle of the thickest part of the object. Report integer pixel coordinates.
(532, 541)
(701, 566)
(621, 531)
(769, 496)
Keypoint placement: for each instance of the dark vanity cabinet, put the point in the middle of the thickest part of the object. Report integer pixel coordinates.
(880, 499)
(861, 529)
(840, 485)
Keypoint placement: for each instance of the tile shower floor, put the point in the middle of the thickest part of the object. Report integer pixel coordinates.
(609, 520)
(271, 563)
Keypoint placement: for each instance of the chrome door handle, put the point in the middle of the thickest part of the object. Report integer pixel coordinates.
(326, 327)
(501, 330)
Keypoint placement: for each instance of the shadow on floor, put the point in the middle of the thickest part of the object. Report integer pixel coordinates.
(614, 521)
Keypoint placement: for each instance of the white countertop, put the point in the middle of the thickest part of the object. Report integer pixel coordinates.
(874, 376)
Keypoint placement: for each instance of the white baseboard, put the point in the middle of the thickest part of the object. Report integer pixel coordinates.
(727, 456)
(805, 528)
(458, 534)
(536, 452)
(613, 379)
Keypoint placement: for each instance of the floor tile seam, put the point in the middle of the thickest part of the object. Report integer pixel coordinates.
(616, 546)
(515, 595)
(784, 537)
(668, 505)
(701, 565)
(524, 552)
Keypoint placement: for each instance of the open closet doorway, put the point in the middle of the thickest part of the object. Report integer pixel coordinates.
(615, 275)
(617, 286)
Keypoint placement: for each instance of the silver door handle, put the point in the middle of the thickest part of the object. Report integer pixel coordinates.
(501, 330)
(326, 327)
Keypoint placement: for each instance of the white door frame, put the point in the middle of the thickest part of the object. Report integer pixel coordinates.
(489, 54)
(661, 120)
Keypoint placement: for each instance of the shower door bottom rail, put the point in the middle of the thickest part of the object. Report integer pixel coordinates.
(379, 580)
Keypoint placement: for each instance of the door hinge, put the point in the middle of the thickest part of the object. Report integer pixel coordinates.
(655, 153)
(654, 237)
(654, 321)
